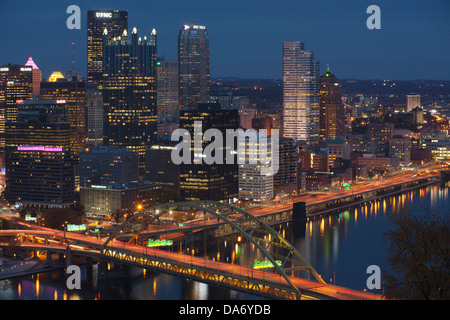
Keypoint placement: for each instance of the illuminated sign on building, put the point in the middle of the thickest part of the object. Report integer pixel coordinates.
(98, 187)
(159, 243)
(76, 227)
(103, 14)
(264, 264)
(26, 69)
(4, 69)
(38, 148)
(60, 101)
(30, 218)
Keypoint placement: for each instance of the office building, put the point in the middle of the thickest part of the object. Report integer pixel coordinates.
(109, 199)
(129, 91)
(400, 147)
(200, 181)
(39, 163)
(412, 101)
(332, 112)
(254, 184)
(16, 84)
(193, 61)
(159, 167)
(108, 165)
(246, 117)
(115, 22)
(36, 75)
(94, 108)
(300, 94)
(338, 149)
(285, 180)
(168, 91)
(73, 91)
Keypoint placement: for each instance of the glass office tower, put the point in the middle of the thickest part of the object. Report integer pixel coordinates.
(300, 94)
(129, 91)
(193, 60)
(98, 20)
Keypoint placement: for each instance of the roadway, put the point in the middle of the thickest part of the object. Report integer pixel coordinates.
(311, 199)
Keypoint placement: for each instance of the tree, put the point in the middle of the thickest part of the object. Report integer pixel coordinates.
(57, 218)
(418, 254)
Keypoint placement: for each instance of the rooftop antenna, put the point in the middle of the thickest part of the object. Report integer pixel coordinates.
(73, 56)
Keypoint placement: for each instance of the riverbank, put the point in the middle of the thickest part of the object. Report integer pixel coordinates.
(371, 199)
(14, 267)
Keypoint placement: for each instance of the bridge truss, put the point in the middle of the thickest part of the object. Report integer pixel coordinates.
(270, 244)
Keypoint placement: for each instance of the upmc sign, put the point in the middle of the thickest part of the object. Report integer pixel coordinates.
(103, 14)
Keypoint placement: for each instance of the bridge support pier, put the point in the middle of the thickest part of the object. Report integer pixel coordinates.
(49, 259)
(299, 212)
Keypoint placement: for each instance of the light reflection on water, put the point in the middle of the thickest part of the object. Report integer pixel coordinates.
(340, 247)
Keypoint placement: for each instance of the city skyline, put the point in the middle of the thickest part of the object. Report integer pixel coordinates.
(336, 33)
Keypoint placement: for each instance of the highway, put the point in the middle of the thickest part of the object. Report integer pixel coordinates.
(359, 188)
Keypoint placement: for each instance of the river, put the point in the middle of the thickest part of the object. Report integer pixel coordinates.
(340, 247)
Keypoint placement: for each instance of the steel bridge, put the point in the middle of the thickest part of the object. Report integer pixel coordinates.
(128, 244)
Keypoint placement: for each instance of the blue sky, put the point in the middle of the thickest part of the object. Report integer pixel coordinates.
(246, 36)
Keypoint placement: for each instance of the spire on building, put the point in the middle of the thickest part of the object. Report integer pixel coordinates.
(30, 63)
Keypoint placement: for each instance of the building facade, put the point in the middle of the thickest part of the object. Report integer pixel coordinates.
(168, 91)
(300, 94)
(39, 161)
(193, 61)
(200, 181)
(108, 165)
(332, 112)
(115, 22)
(129, 92)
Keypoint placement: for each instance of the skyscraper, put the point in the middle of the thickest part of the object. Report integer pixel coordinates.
(193, 60)
(94, 109)
(74, 93)
(129, 91)
(332, 112)
(37, 77)
(115, 22)
(168, 91)
(16, 84)
(412, 101)
(199, 181)
(300, 94)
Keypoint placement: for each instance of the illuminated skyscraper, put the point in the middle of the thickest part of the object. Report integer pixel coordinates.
(193, 60)
(412, 101)
(332, 112)
(37, 77)
(115, 22)
(300, 94)
(16, 83)
(129, 91)
(74, 93)
(39, 163)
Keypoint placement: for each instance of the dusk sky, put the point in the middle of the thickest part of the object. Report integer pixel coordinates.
(246, 35)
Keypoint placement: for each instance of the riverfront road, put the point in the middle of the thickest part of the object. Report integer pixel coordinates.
(311, 199)
(89, 246)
